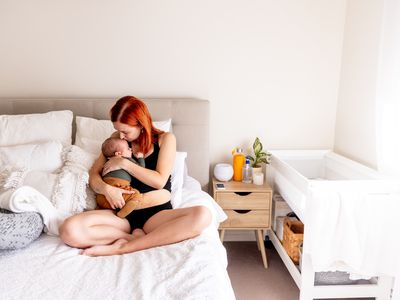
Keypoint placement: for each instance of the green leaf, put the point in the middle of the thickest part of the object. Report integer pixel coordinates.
(260, 156)
(251, 158)
(257, 148)
(256, 142)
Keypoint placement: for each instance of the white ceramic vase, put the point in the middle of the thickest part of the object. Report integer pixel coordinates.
(257, 175)
(223, 172)
(256, 170)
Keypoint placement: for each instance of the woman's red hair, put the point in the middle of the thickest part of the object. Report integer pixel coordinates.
(132, 111)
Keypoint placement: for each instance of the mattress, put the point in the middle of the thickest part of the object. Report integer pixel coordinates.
(192, 269)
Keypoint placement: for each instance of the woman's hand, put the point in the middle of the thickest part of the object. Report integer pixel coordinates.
(114, 196)
(114, 163)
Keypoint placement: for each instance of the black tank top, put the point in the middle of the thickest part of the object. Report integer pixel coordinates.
(151, 163)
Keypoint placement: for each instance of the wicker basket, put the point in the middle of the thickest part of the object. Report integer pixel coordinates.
(292, 238)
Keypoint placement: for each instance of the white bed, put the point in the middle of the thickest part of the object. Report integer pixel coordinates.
(48, 269)
(192, 269)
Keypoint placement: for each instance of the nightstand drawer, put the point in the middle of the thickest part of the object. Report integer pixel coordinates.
(243, 219)
(232, 200)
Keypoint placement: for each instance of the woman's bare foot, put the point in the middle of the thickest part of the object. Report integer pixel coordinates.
(136, 233)
(104, 250)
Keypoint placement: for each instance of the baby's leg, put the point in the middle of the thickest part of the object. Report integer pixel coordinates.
(131, 202)
(102, 202)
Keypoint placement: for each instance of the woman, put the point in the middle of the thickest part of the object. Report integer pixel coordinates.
(153, 222)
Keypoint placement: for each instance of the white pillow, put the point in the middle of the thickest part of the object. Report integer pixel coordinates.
(177, 179)
(34, 157)
(91, 133)
(44, 182)
(67, 190)
(71, 192)
(75, 172)
(165, 125)
(194, 196)
(79, 159)
(34, 128)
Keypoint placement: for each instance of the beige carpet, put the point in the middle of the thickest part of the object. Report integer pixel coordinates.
(250, 280)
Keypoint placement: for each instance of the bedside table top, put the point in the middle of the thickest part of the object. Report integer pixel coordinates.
(238, 186)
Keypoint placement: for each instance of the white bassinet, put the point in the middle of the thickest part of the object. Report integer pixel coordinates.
(319, 186)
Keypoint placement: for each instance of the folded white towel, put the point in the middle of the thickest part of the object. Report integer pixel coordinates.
(26, 198)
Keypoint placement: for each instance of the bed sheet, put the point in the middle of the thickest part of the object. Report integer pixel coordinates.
(49, 269)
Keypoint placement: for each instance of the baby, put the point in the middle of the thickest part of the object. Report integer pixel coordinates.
(120, 178)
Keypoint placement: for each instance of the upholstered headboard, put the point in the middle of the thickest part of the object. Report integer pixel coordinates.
(190, 122)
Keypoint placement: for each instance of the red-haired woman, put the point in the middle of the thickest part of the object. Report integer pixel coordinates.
(154, 222)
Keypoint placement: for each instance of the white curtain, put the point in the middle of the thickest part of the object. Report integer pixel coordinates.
(388, 91)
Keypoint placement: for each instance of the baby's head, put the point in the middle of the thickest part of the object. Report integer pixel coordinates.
(115, 146)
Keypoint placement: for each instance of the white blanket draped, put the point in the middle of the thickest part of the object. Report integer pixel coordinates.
(27, 199)
(353, 229)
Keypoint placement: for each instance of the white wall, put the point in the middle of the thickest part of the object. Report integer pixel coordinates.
(269, 68)
(355, 133)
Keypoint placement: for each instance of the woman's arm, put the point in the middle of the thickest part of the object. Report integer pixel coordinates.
(153, 198)
(95, 180)
(154, 178)
(112, 194)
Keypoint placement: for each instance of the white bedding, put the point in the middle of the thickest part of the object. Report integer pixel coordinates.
(192, 269)
(48, 269)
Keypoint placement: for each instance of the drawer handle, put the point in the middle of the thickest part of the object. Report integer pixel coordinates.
(242, 211)
(242, 193)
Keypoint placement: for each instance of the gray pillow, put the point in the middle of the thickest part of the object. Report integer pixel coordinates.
(17, 230)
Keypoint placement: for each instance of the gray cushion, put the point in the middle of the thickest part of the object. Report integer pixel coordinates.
(17, 230)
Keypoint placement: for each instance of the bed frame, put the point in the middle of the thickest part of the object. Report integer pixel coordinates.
(190, 121)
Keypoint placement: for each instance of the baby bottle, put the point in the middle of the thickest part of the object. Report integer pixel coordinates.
(238, 162)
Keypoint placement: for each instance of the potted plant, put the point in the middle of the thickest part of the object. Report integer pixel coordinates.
(259, 157)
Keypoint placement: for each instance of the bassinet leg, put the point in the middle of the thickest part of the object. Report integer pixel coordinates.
(307, 278)
(385, 284)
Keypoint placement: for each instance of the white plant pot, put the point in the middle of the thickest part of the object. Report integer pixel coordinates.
(257, 170)
(257, 175)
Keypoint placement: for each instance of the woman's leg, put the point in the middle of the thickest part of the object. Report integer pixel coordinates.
(165, 227)
(93, 228)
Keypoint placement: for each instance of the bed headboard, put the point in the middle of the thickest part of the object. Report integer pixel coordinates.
(190, 122)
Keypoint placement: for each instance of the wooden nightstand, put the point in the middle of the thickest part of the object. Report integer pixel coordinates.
(248, 207)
